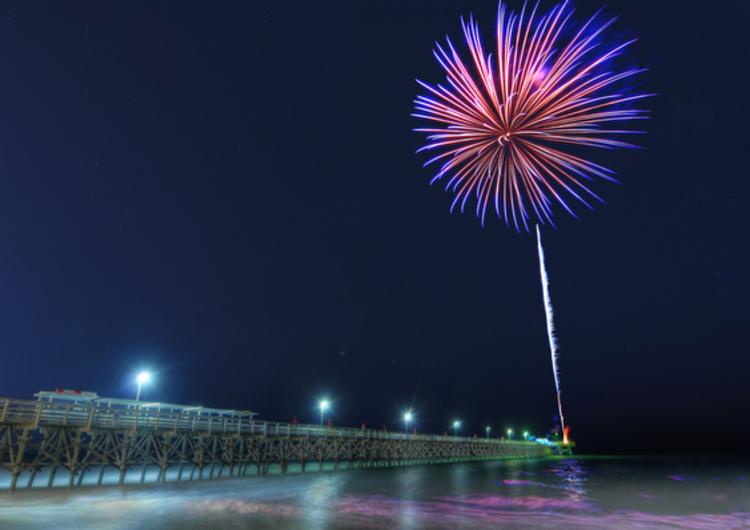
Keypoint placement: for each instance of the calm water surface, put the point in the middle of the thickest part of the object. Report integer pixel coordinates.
(580, 493)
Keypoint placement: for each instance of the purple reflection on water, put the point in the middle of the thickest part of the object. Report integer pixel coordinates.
(528, 502)
(386, 506)
(521, 512)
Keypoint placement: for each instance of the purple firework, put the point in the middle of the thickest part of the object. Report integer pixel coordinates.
(503, 128)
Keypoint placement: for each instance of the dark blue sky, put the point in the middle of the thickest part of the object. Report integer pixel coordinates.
(228, 193)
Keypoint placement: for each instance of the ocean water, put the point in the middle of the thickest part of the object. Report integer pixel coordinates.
(576, 493)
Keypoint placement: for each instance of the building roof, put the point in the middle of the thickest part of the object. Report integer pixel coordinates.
(92, 398)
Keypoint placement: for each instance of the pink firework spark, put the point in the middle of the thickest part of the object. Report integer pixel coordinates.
(504, 128)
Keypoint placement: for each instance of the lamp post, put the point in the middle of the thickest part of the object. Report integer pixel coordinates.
(487, 431)
(142, 378)
(324, 405)
(525, 435)
(510, 434)
(456, 426)
(408, 417)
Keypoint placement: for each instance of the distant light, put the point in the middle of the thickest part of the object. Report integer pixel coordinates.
(525, 435)
(488, 429)
(408, 416)
(456, 424)
(143, 377)
(510, 433)
(324, 404)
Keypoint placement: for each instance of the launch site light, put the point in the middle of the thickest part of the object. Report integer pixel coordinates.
(142, 378)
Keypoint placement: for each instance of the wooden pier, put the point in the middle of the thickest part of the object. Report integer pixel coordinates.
(90, 441)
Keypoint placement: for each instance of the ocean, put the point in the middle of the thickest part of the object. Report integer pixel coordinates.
(573, 492)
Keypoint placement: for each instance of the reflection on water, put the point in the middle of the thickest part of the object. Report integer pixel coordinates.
(572, 477)
(566, 493)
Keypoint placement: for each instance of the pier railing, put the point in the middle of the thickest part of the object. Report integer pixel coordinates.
(155, 416)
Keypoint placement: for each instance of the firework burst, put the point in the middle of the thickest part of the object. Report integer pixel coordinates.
(504, 128)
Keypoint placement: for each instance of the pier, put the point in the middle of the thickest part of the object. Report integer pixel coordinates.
(79, 439)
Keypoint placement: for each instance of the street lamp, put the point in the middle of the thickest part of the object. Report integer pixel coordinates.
(324, 405)
(525, 435)
(142, 378)
(510, 434)
(408, 417)
(487, 430)
(456, 426)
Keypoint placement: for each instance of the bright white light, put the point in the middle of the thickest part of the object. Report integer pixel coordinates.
(456, 424)
(324, 404)
(408, 416)
(488, 429)
(143, 378)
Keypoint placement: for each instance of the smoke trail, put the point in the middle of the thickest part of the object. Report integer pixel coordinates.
(550, 325)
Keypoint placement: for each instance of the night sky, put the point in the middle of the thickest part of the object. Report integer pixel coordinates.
(227, 193)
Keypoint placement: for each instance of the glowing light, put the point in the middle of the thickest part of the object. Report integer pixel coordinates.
(503, 124)
(510, 433)
(323, 405)
(525, 435)
(456, 426)
(408, 418)
(142, 378)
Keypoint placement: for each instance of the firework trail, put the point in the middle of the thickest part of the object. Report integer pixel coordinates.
(553, 349)
(508, 130)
